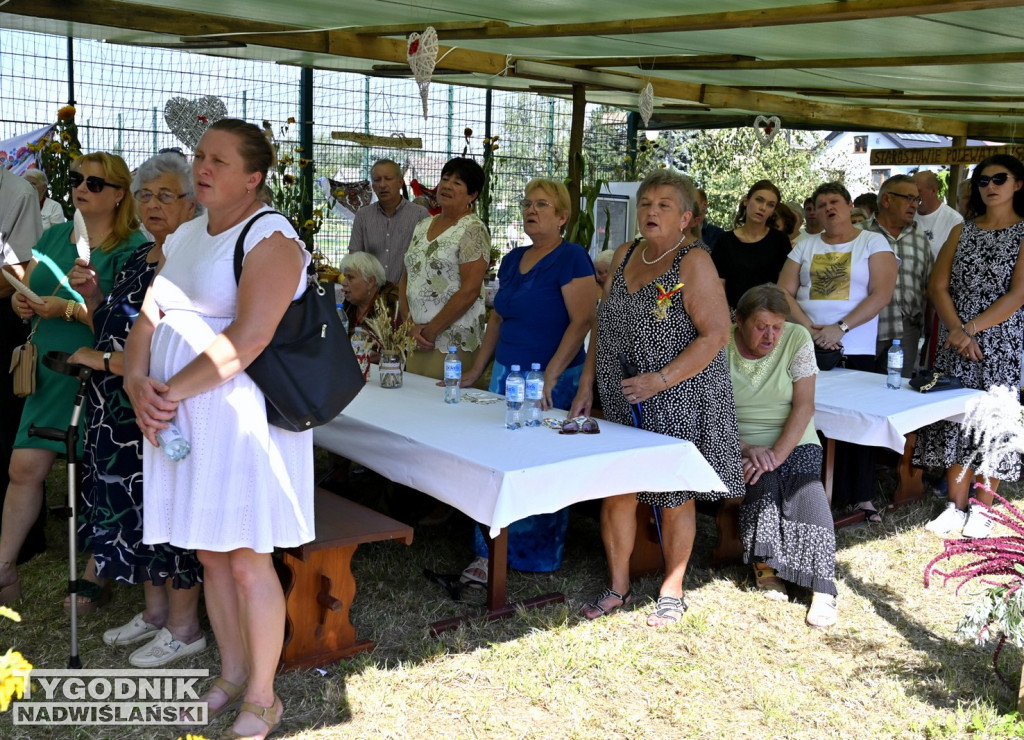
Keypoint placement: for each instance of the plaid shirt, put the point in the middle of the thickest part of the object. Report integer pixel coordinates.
(914, 252)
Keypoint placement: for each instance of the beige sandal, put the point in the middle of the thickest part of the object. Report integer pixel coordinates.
(824, 611)
(769, 583)
(234, 692)
(270, 716)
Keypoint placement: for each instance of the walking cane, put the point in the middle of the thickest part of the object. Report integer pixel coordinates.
(58, 363)
(630, 370)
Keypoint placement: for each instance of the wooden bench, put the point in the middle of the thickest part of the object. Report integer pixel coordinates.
(319, 586)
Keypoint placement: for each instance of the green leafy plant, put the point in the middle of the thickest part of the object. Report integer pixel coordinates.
(288, 191)
(582, 230)
(55, 153)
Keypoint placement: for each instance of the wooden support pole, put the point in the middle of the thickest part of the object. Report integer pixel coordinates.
(579, 117)
(956, 174)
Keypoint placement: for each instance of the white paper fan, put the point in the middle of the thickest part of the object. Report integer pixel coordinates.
(84, 248)
(22, 288)
(421, 54)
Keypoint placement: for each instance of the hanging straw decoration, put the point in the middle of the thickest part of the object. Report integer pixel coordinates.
(766, 129)
(422, 56)
(646, 103)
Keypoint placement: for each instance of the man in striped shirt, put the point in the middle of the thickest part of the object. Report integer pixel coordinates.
(384, 228)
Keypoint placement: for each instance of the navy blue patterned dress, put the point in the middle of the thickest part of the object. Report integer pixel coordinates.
(700, 409)
(110, 525)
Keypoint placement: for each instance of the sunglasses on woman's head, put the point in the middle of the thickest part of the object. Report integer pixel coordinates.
(95, 184)
(999, 178)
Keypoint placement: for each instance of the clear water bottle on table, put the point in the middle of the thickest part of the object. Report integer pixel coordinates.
(452, 376)
(534, 396)
(894, 373)
(515, 392)
(174, 445)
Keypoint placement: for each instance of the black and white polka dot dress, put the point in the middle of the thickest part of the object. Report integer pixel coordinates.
(700, 409)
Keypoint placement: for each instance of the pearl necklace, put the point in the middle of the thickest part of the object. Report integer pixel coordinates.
(656, 260)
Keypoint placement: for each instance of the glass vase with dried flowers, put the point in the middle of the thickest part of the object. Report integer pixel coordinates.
(392, 339)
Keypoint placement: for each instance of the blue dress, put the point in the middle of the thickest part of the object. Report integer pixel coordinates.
(534, 318)
(110, 525)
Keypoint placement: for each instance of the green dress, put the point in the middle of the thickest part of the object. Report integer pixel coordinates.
(51, 404)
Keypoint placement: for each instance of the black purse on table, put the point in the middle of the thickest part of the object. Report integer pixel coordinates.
(308, 373)
(931, 382)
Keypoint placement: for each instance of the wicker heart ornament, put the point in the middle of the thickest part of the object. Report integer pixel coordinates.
(189, 119)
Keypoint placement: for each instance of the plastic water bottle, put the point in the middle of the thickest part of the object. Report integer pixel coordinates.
(515, 390)
(343, 316)
(894, 377)
(534, 395)
(452, 376)
(174, 445)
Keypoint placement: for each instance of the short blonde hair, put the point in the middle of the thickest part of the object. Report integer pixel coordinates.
(555, 189)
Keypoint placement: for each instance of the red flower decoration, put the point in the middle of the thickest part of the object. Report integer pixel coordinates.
(204, 119)
(414, 47)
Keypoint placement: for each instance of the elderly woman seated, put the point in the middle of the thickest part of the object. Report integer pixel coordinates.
(364, 283)
(785, 523)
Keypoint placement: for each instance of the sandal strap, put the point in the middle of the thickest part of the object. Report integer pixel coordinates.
(232, 690)
(668, 604)
(90, 589)
(269, 716)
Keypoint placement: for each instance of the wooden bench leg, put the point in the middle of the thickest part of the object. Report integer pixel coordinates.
(318, 595)
(647, 557)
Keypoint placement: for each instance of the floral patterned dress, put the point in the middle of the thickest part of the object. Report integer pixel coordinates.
(982, 272)
(433, 277)
(111, 521)
(700, 409)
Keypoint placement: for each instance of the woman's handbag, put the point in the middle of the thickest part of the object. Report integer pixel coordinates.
(931, 382)
(23, 368)
(827, 358)
(308, 372)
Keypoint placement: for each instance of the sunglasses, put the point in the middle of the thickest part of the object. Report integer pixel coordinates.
(580, 425)
(999, 178)
(95, 184)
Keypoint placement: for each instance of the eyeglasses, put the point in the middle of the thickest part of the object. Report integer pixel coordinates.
(540, 205)
(95, 184)
(580, 425)
(164, 196)
(999, 178)
(912, 198)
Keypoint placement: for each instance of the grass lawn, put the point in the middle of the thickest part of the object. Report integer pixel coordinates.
(737, 666)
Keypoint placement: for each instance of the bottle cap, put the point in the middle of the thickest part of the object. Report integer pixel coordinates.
(895, 342)
(535, 366)
(452, 350)
(515, 368)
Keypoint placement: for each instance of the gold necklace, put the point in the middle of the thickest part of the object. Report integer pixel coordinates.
(656, 260)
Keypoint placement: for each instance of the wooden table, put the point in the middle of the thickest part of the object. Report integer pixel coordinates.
(856, 406)
(463, 456)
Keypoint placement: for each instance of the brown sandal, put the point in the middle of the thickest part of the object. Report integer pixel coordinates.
(769, 583)
(233, 691)
(270, 716)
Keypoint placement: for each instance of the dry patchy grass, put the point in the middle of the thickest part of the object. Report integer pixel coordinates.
(737, 666)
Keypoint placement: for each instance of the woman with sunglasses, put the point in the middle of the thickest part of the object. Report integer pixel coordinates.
(977, 288)
(62, 322)
(112, 488)
(542, 311)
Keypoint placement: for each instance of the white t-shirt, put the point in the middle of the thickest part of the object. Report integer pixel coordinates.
(937, 225)
(834, 279)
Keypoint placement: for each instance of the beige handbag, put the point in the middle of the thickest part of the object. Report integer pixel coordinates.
(23, 368)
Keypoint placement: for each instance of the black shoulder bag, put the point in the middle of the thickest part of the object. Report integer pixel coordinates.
(308, 372)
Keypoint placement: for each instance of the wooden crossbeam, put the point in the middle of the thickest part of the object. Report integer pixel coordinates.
(930, 60)
(790, 15)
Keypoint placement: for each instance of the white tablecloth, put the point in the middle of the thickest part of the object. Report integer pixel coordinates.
(856, 406)
(463, 455)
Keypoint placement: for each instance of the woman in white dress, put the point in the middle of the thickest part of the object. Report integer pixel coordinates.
(246, 487)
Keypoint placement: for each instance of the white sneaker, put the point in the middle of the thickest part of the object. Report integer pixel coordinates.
(979, 524)
(136, 630)
(950, 521)
(164, 649)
